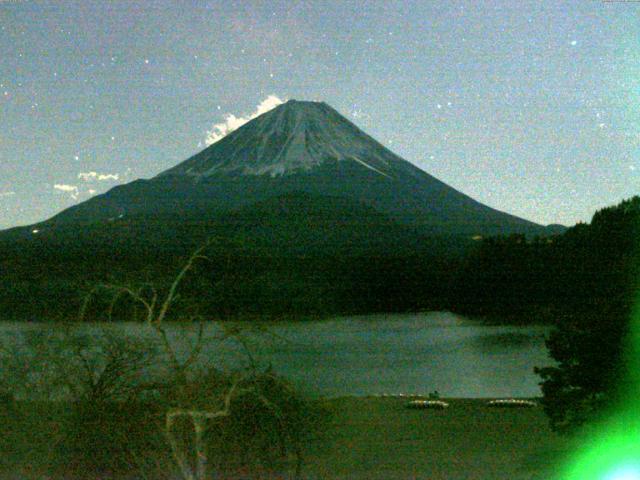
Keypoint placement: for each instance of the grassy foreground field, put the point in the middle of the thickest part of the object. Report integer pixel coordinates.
(379, 438)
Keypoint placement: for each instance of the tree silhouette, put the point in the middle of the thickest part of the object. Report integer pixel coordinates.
(601, 268)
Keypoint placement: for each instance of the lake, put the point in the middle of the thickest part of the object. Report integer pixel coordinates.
(376, 354)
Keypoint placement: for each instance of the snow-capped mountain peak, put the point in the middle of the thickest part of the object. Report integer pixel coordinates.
(294, 137)
(299, 150)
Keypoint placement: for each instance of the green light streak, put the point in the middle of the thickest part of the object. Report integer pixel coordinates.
(612, 450)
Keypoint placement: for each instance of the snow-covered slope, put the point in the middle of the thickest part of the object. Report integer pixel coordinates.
(292, 138)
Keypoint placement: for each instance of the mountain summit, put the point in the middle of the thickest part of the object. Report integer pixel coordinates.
(299, 150)
(292, 138)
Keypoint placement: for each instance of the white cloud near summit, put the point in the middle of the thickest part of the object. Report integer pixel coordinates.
(231, 122)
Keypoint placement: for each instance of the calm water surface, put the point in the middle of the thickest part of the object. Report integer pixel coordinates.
(378, 354)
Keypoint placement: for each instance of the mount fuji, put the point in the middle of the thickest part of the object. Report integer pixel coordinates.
(298, 150)
(306, 212)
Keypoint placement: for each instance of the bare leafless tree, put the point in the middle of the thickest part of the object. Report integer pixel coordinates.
(193, 465)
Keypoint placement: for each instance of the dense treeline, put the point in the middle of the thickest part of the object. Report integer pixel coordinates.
(284, 261)
(588, 267)
(290, 263)
(235, 286)
(589, 379)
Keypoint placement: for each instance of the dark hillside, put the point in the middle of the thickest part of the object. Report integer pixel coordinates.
(288, 255)
(587, 267)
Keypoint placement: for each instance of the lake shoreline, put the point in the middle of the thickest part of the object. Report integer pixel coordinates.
(540, 317)
(381, 439)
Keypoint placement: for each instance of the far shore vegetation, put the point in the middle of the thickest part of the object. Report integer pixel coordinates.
(513, 279)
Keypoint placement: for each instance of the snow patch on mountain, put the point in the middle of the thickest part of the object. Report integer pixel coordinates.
(369, 166)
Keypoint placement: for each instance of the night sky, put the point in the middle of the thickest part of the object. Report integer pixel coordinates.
(531, 107)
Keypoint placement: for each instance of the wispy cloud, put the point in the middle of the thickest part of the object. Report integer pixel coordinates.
(70, 189)
(92, 176)
(231, 122)
(108, 176)
(76, 191)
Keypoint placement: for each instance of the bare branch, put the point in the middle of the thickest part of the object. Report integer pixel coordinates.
(178, 455)
(195, 351)
(170, 298)
(87, 299)
(173, 358)
(198, 419)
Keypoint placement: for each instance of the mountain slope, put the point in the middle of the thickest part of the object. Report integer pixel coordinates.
(299, 147)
